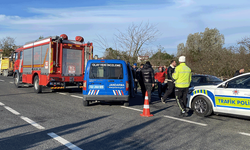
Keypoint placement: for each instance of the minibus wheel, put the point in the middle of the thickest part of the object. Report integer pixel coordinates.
(126, 104)
(85, 103)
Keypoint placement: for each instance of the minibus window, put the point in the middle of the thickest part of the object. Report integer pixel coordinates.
(115, 72)
(106, 71)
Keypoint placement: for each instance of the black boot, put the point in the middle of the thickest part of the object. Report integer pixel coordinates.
(163, 101)
(182, 114)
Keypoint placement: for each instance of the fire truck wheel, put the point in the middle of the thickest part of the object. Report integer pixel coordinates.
(85, 103)
(16, 80)
(37, 87)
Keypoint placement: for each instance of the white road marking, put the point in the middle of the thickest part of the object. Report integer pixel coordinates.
(247, 134)
(1, 104)
(26, 85)
(62, 93)
(33, 123)
(63, 141)
(76, 96)
(12, 110)
(201, 124)
(132, 108)
(11, 82)
(188, 121)
(2, 80)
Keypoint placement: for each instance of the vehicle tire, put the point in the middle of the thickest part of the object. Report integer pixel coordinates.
(126, 103)
(16, 80)
(202, 106)
(85, 103)
(37, 87)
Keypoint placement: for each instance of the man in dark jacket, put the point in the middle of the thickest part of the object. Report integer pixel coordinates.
(134, 68)
(238, 72)
(140, 79)
(171, 85)
(147, 73)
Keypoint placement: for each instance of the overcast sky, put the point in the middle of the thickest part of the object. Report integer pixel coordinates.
(26, 20)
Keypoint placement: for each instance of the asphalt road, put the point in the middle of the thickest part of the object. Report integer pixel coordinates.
(59, 121)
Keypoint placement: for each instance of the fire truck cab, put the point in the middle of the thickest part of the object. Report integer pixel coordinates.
(54, 62)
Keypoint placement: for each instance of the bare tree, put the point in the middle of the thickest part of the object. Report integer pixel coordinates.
(7, 45)
(135, 37)
(130, 42)
(245, 42)
(102, 42)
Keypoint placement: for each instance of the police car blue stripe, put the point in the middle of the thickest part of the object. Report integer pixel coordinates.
(211, 95)
(231, 96)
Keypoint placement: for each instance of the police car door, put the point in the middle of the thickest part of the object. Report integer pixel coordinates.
(116, 84)
(234, 97)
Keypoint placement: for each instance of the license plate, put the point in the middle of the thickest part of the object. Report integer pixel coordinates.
(96, 86)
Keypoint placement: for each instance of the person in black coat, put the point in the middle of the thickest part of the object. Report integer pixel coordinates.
(140, 79)
(147, 74)
(171, 85)
(134, 69)
(238, 72)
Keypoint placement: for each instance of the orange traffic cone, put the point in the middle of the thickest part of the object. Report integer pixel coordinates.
(146, 110)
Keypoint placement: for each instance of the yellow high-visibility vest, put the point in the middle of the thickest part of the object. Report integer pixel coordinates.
(182, 76)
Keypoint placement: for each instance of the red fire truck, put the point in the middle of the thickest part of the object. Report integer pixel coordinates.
(54, 62)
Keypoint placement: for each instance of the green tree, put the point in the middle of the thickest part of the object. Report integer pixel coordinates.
(110, 53)
(204, 51)
(161, 57)
(40, 37)
(8, 46)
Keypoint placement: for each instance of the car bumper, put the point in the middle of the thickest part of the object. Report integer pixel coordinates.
(106, 97)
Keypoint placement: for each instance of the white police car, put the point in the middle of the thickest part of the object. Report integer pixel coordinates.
(231, 97)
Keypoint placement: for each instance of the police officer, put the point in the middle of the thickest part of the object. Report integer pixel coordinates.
(171, 85)
(182, 77)
(147, 73)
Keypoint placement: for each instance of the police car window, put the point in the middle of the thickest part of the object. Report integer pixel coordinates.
(213, 79)
(196, 79)
(240, 82)
(106, 71)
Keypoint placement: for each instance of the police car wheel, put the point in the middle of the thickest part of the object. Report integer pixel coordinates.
(202, 106)
(85, 103)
